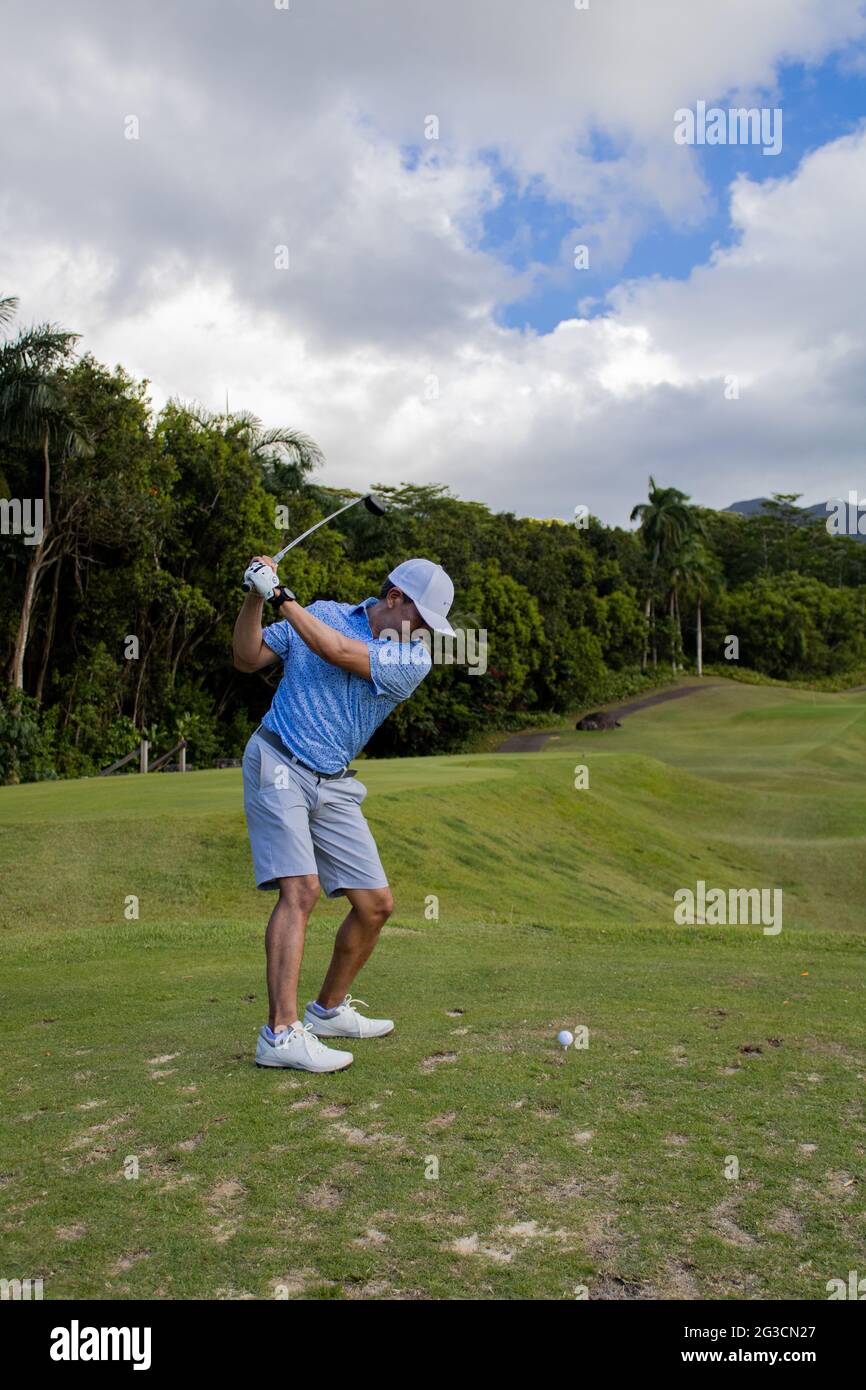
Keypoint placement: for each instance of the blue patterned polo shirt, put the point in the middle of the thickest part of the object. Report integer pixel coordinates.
(325, 715)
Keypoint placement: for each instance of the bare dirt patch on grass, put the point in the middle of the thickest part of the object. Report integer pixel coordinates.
(565, 1191)
(437, 1059)
(125, 1262)
(724, 1225)
(474, 1246)
(600, 1237)
(527, 1232)
(224, 1203)
(678, 1282)
(69, 1233)
(785, 1222)
(442, 1121)
(307, 1102)
(187, 1145)
(841, 1184)
(363, 1139)
(372, 1239)
(325, 1197)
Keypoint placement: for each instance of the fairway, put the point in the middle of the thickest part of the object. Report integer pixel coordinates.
(467, 1155)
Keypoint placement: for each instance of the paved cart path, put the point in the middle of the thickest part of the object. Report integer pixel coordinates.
(532, 743)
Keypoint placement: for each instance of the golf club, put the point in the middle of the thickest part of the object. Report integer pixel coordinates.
(373, 504)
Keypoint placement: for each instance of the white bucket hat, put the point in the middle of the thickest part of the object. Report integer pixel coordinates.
(429, 588)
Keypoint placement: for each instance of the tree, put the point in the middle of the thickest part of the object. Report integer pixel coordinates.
(286, 456)
(699, 578)
(665, 521)
(790, 626)
(35, 414)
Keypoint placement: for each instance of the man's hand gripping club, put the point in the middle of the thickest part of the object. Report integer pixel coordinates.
(251, 652)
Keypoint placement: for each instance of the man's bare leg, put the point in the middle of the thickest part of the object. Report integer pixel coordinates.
(371, 908)
(284, 947)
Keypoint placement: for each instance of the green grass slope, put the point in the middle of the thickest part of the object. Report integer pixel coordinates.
(466, 1155)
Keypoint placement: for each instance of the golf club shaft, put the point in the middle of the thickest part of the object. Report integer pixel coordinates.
(325, 519)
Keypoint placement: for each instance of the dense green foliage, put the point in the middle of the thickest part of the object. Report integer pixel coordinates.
(150, 522)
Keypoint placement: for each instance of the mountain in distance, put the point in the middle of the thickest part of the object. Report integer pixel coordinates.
(819, 511)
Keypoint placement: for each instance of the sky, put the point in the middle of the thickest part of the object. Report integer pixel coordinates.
(359, 218)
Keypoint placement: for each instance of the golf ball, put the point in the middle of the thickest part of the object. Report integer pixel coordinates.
(564, 1038)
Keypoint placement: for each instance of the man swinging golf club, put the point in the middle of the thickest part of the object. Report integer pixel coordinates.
(344, 670)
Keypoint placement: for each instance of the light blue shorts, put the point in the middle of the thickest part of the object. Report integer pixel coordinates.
(301, 824)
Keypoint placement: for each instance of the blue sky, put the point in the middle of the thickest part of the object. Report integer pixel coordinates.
(426, 332)
(526, 228)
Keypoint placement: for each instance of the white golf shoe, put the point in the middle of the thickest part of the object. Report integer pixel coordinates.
(297, 1047)
(347, 1022)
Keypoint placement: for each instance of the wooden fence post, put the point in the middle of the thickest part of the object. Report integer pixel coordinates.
(142, 755)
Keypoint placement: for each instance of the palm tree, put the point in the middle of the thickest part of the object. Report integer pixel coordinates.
(278, 445)
(676, 575)
(699, 577)
(287, 454)
(34, 414)
(665, 521)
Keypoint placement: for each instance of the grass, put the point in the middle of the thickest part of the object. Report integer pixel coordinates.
(127, 1045)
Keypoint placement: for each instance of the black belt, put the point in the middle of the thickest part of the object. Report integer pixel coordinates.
(276, 742)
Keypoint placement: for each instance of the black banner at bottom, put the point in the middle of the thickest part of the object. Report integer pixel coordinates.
(66, 1338)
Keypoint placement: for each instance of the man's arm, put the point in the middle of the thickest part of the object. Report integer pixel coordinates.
(250, 651)
(345, 652)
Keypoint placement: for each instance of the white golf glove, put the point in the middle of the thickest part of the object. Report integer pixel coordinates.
(261, 579)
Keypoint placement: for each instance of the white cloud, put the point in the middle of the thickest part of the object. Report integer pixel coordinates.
(261, 127)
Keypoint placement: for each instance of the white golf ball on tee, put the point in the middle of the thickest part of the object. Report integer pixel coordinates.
(564, 1038)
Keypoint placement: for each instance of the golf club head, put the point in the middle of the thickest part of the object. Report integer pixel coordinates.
(375, 504)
